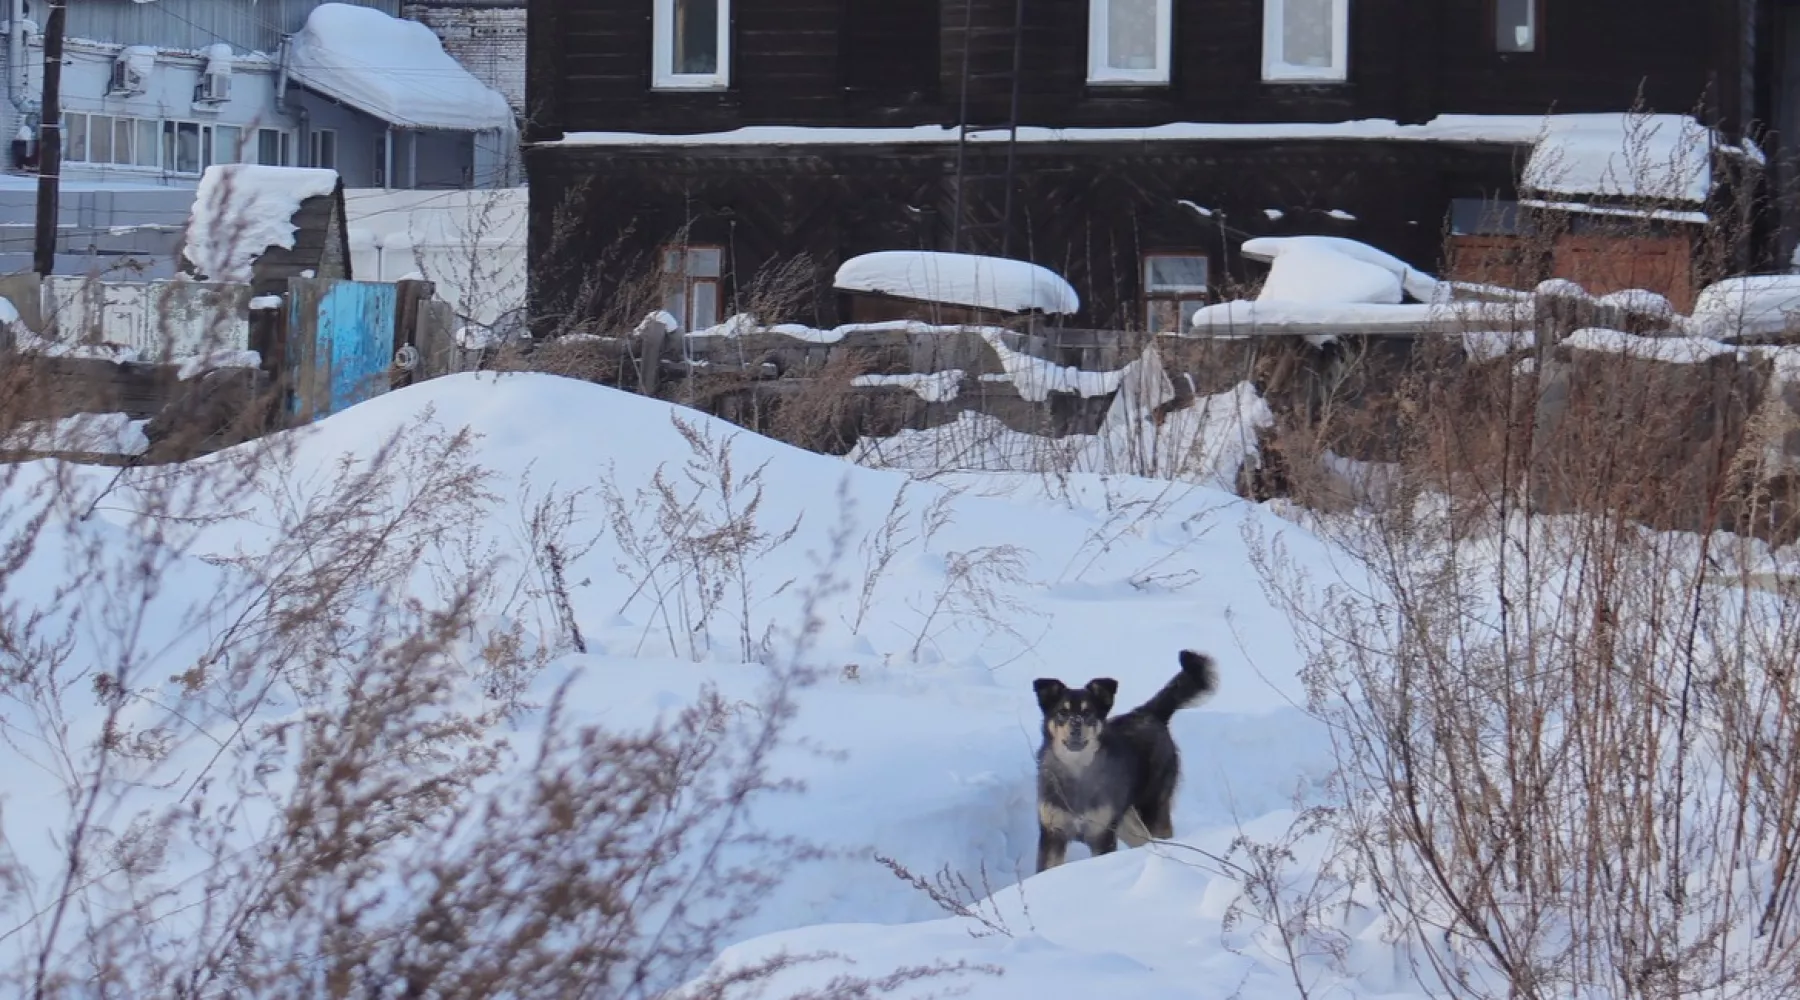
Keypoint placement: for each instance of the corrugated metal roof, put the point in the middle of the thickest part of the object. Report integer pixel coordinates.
(246, 25)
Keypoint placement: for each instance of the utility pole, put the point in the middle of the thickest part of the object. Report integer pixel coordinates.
(50, 139)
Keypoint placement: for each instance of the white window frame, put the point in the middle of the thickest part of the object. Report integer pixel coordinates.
(1101, 73)
(663, 75)
(1277, 71)
(682, 283)
(1533, 21)
(1152, 294)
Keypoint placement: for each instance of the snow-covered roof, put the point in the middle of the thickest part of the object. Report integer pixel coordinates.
(393, 69)
(1665, 157)
(960, 279)
(1574, 154)
(243, 209)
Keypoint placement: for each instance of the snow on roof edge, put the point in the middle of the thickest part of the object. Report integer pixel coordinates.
(1560, 143)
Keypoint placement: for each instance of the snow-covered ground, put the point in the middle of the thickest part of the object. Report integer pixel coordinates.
(929, 717)
(917, 738)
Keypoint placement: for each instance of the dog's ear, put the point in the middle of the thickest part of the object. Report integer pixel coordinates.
(1049, 692)
(1103, 690)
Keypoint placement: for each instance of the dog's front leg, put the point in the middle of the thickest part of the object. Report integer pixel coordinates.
(1105, 842)
(1052, 848)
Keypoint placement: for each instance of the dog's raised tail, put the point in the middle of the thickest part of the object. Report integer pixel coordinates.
(1198, 679)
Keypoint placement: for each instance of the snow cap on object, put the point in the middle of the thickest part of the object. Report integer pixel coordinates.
(242, 209)
(391, 68)
(219, 58)
(1753, 305)
(976, 282)
(1311, 272)
(1415, 282)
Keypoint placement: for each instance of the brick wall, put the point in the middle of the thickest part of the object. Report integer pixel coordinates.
(488, 41)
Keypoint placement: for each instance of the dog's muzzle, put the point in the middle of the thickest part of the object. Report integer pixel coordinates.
(1077, 739)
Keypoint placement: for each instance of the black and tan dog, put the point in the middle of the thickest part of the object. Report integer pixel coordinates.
(1104, 780)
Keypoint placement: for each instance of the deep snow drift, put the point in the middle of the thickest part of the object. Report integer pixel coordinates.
(915, 744)
(927, 707)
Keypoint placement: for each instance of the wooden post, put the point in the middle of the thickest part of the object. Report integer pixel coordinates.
(50, 139)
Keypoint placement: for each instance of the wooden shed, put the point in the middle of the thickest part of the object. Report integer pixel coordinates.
(262, 225)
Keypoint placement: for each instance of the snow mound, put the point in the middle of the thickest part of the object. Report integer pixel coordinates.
(970, 280)
(1313, 273)
(1415, 282)
(1755, 305)
(241, 210)
(394, 69)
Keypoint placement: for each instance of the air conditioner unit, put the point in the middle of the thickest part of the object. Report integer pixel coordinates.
(131, 71)
(214, 88)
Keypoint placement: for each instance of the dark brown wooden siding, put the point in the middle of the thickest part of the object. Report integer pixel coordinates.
(1409, 59)
(1088, 210)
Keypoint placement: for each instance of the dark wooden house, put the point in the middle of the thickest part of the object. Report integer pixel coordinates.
(1130, 145)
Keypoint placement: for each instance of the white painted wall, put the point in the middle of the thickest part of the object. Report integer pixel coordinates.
(168, 97)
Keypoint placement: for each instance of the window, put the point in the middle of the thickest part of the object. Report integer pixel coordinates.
(100, 139)
(1483, 217)
(1128, 41)
(1174, 289)
(148, 152)
(75, 144)
(1305, 40)
(227, 144)
(124, 131)
(324, 148)
(693, 275)
(274, 147)
(692, 40)
(1516, 25)
(181, 148)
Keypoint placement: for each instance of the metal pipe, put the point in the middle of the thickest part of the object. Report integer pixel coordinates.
(18, 75)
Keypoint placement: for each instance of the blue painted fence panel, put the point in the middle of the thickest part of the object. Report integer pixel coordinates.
(351, 334)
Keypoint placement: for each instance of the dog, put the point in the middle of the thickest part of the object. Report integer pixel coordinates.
(1101, 780)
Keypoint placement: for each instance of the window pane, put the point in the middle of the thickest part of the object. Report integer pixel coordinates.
(1131, 34)
(100, 131)
(1306, 32)
(706, 305)
(328, 150)
(226, 140)
(696, 36)
(268, 147)
(675, 303)
(75, 143)
(187, 148)
(704, 263)
(1515, 29)
(123, 130)
(1175, 274)
(1162, 315)
(149, 153)
(1483, 217)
